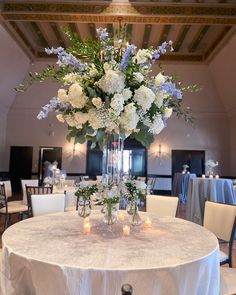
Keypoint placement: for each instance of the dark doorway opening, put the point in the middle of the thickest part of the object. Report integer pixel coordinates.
(20, 165)
(134, 159)
(194, 159)
(50, 155)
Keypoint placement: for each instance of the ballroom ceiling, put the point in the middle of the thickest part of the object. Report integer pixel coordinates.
(198, 28)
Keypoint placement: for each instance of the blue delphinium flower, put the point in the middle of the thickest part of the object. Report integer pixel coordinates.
(125, 58)
(171, 89)
(102, 33)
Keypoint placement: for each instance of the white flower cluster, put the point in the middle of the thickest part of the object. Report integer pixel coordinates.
(211, 163)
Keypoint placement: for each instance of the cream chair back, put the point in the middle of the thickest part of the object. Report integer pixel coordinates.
(47, 203)
(8, 190)
(29, 182)
(219, 218)
(162, 205)
(227, 281)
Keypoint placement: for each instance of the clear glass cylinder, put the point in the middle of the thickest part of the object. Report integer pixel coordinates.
(112, 168)
(84, 208)
(110, 213)
(133, 211)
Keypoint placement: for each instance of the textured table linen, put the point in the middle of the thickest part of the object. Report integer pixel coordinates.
(50, 255)
(202, 189)
(180, 185)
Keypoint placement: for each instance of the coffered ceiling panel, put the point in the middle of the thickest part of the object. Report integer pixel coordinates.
(198, 28)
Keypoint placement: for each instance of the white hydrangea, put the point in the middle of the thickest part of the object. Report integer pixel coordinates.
(94, 119)
(80, 119)
(143, 56)
(107, 67)
(60, 118)
(159, 98)
(157, 125)
(70, 78)
(93, 72)
(129, 118)
(62, 95)
(97, 102)
(117, 103)
(112, 82)
(127, 94)
(76, 96)
(70, 120)
(140, 185)
(138, 77)
(144, 97)
(168, 112)
(159, 79)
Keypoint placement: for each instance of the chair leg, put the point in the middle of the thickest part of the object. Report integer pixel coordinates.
(6, 222)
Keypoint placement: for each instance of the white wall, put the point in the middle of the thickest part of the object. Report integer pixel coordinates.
(13, 67)
(209, 132)
(223, 72)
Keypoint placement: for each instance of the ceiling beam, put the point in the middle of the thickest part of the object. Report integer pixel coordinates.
(198, 38)
(180, 39)
(214, 14)
(146, 35)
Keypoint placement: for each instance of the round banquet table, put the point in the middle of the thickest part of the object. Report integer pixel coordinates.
(51, 255)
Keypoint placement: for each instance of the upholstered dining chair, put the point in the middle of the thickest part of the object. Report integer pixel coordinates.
(221, 220)
(47, 204)
(162, 205)
(28, 182)
(9, 208)
(36, 190)
(8, 189)
(227, 281)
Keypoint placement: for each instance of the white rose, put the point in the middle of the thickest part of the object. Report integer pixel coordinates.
(76, 96)
(80, 118)
(62, 95)
(143, 56)
(93, 72)
(168, 112)
(127, 94)
(97, 102)
(144, 97)
(160, 79)
(138, 77)
(60, 118)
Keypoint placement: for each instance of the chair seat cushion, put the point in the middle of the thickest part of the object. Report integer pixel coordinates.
(223, 256)
(14, 207)
(227, 280)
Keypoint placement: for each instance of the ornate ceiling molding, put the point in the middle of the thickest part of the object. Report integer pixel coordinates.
(116, 12)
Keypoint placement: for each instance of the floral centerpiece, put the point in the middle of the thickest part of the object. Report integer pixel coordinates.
(84, 192)
(210, 164)
(108, 197)
(185, 168)
(134, 191)
(108, 91)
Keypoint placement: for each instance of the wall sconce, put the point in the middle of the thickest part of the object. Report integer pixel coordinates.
(159, 152)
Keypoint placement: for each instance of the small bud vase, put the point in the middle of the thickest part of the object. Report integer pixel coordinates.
(133, 211)
(84, 208)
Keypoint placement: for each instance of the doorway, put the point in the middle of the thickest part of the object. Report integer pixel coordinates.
(48, 155)
(20, 167)
(194, 159)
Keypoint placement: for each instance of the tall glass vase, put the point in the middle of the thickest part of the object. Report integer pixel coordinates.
(112, 169)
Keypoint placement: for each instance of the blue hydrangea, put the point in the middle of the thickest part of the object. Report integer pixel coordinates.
(171, 89)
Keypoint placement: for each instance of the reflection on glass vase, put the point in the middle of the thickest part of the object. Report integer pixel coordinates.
(84, 208)
(132, 209)
(112, 164)
(110, 213)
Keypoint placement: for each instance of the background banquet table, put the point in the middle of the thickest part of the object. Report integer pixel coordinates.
(211, 189)
(51, 255)
(70, 200)
(180, 185)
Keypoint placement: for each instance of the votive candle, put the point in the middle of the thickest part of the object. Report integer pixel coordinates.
(148, 222)
(126, 230)
(211, 176)
(86, 220)
(87, 228)
(217, 176)
(203, 176)
(121, 216)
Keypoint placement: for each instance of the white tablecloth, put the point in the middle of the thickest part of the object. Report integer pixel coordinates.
(50, 255)
(202, 189)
